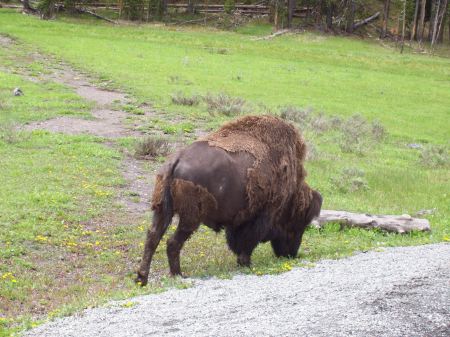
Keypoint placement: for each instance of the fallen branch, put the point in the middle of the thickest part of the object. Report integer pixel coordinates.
(271, 36)
(390, 223)
(86, 11)
(180, 23)
(10, 6)
(366, 21)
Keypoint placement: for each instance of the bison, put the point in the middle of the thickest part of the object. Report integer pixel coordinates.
(247, 178)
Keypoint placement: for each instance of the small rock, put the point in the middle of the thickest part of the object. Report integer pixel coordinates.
(315, 224)
(18, 92)
(415, 146)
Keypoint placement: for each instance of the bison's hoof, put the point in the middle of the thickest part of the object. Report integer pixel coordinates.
(177, 273)
(243, 260)
(141, 279)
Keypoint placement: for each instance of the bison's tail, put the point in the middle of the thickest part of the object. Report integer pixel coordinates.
(167, 202)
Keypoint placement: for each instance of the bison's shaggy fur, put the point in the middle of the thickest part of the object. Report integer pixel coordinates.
(278, 172)
(248, 177)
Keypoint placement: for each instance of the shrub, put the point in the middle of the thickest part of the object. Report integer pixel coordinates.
(434, 156)
(224, 104)
(9, 132)
(354, 135)
(180, 99)
(151, 147)
(295, 114)
(320, 123)
(312, 153)
(350, 180)
(378, 131)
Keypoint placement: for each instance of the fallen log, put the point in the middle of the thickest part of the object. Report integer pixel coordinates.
(86, 11)
(271, 36)
(366, 21)
(390, 223)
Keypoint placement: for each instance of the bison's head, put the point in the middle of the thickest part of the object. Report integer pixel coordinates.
(288, 243)
(313, 209)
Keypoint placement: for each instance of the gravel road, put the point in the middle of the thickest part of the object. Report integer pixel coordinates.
(402, 291)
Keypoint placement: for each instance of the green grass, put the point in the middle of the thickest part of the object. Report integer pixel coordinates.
(53, 186)
(39, 102)
(333, 74)
(54, 181)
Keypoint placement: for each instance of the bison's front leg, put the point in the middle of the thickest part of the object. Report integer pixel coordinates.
(244, 259)
(244, 239)
(174, 245)
(154, 235)
(287, 245)
(242, 242)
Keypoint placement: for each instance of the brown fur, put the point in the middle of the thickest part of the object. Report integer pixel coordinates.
(192, 212)
(273, 143)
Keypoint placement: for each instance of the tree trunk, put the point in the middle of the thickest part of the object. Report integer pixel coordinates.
(437, 9)
(291, 8)
(190, 7)
(403, 27)
(423, 4)
(120, 3)
(350, 16)
(431, 21)
(149, 6)
(276, 20)
(441, 23)
(329, 19)
(414, 25)
(387, 5)
(397, 32)
(318, 17)
(27, 7)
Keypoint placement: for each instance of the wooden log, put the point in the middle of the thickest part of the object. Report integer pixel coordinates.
(366, 21)
(86, 11)
(390, 223)
(271, 36)
(10, 6)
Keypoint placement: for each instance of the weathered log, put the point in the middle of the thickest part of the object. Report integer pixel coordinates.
(366, 21)
(271, 36)
(86, 11)
(390, 223)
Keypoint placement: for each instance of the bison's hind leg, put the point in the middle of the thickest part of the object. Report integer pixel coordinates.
(160, 223)
(175, 244)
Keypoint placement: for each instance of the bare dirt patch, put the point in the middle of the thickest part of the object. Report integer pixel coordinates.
(5, 41)
(108, 121)
(137, 200)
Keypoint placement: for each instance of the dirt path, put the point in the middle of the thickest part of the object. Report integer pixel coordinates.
(108, 121)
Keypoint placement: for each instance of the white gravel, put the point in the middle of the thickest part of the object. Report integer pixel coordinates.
(402, 291)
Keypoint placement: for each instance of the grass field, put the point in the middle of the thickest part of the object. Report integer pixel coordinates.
(55, 187)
